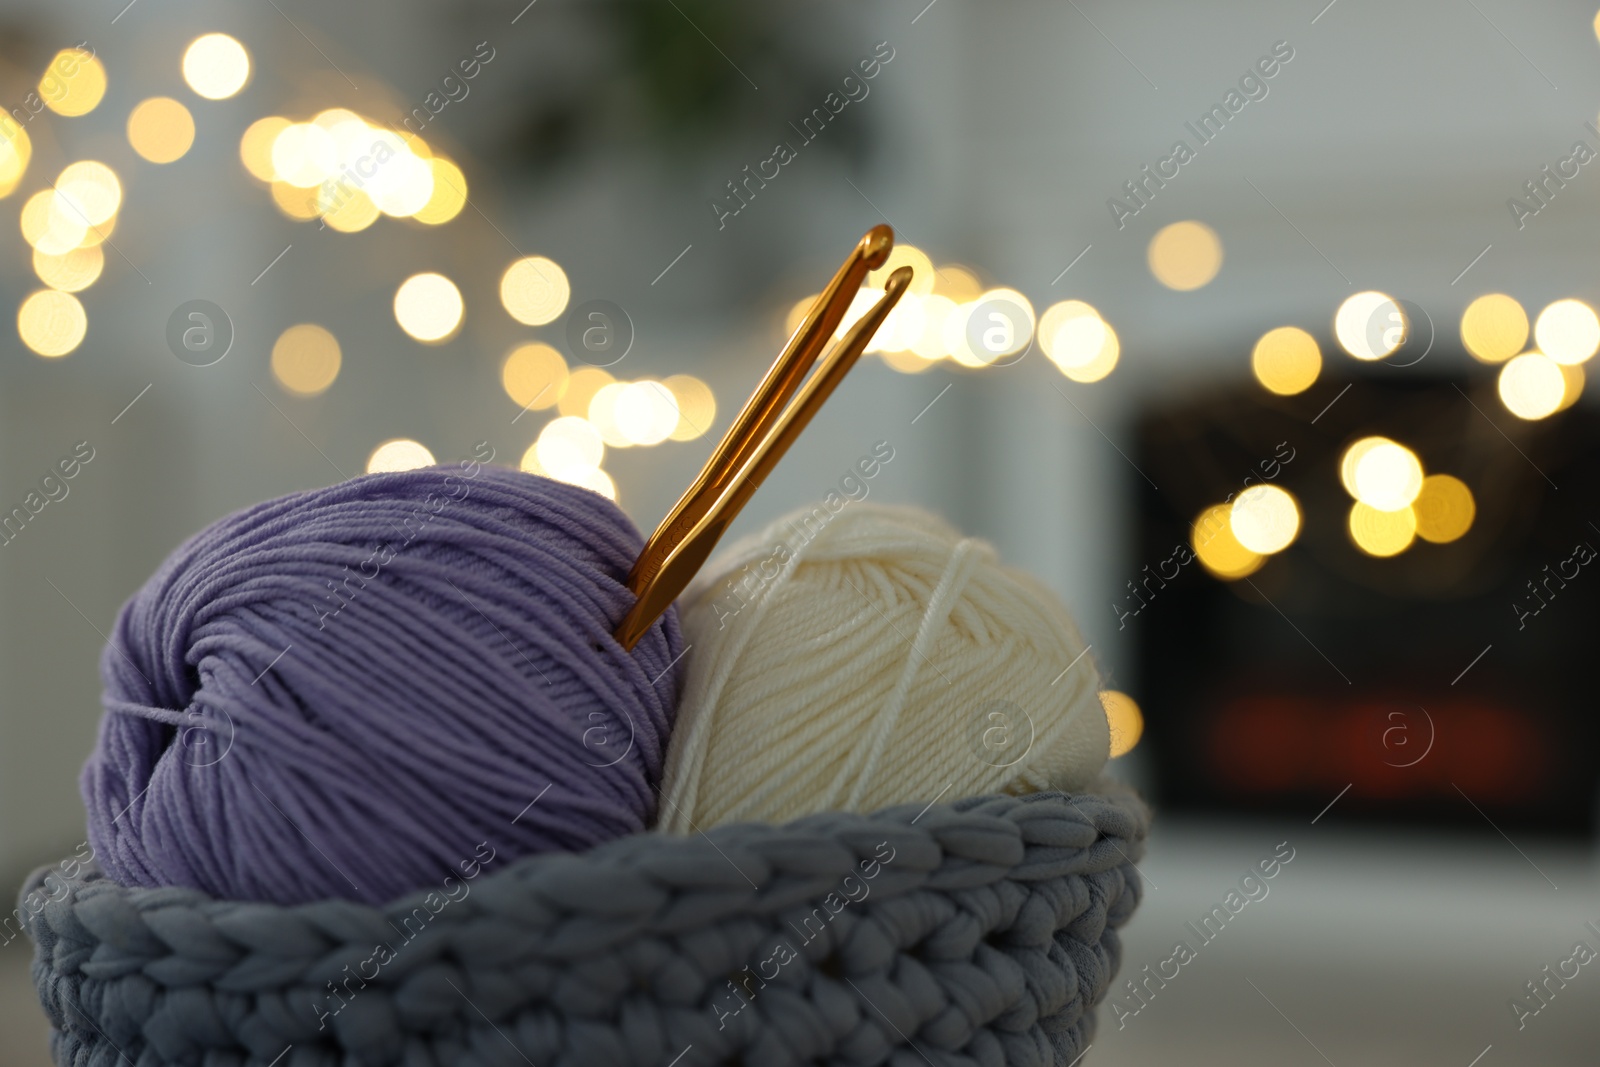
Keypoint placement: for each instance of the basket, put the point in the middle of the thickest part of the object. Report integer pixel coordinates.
(978, 932)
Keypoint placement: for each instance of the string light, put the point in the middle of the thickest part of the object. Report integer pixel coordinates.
(1218, 550)
(74, 83)
(1265, 519)
(72, 272)
(534, 290)
(534, 376)
(697, 406)
(1386, 476)
(1124, 719)
(1532, 386)
(399, 454)
(1382, 533)
(428, 307)
(1494, 328)
(216, 66)
(52, 323)
(1185, 255)
(1286, 361)
(1370, 325)
(1567, 331)
(306, 359)
(1444, 509)
(161, 130)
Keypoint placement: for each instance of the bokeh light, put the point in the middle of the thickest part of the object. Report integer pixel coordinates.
(534, 290)
(957, 283)
(1386, 476)
(345, 210)
(567, 446)
(534, 376)
(1218, 549)
(52, 323)
(1370, 325)
(72, 272)
(1125, 720)
(428, 307)
(1352, 456)
(1265, 519)
(298, 202)
(1185, 255)
(1081, 344)
(399, 454)
(582, 385)
(907, 361)
(646, 412)
(602, 415)
(1444, 510)
(449, 193)
(1494, 328)
(1286, 360)
(90, 190)
(998, 334)
(255, 147)
(160, 129)
(304, 154)
(1532, 386)
(1382, 533)
(51, 226)
(16, 149)
(74, 83)
(216, 66)
(904, 255)
(697, 406)
(1567, 331)
(305, 359)
(1572, 374)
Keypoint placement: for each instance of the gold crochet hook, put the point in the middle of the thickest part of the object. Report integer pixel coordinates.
(759, 437)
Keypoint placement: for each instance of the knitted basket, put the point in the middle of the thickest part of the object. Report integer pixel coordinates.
(980, 932)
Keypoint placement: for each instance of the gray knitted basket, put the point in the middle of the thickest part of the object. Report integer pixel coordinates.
(980, 932)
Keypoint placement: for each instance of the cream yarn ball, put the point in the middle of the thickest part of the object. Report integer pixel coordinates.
(870, 657)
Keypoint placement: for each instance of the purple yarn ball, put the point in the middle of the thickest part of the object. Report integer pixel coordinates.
(344, 691)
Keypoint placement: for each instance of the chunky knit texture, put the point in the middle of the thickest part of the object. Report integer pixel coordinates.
(979, 932)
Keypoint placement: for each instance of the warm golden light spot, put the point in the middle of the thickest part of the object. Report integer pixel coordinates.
(1387, 476)
(304, 154)
(96, 235)
(1567, 331)
(999, 330)
(535, 290)
(697, 406)
(1370, 325)
(929, 345)
(1352, 456)
(1572, 374)
(428, 307)
(349, 210)
(567, 446)
(863, 302)
(1286, 360)
(1218, 550)
(582, 385)
(89, 190)
(922, 279)
(1532, 386)
(1185, 255)
(1494, 328)
(1265, 519)
(1082, 345)
(298, 202)
(51, 226)
(1444, 510)
(953, 336)
(646, 413)
(906, 361)
(16, 149)
(449, 193)
(305, 359)
(1125, 720)
(216, 66)
(957, 283)
(74, 83)
(255, 147)
(160, 129)
(72, 272)
(1382, 533)
(402, 183)
(52, 323)
(902, 328)
(400, 454)
(602, 415)
(534, 376)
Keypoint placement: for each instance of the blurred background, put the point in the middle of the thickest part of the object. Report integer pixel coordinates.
(1259, 331)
